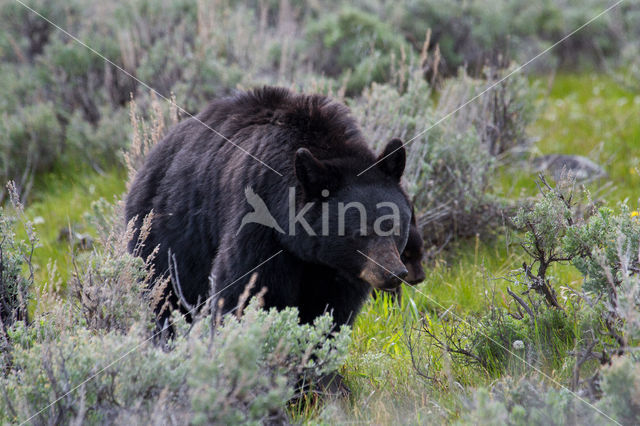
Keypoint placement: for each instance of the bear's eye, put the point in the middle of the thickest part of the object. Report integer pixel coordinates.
(389, 228)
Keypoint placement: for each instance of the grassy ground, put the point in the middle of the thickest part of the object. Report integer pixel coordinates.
(586, 114)
(593, 116)
(60, 203)
(380, 368)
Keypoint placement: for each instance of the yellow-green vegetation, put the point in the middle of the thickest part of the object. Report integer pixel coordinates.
(590, 115)
(464, 286)
(59, 205)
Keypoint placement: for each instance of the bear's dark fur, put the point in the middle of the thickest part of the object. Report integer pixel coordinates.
(195, 182)
(413, 253)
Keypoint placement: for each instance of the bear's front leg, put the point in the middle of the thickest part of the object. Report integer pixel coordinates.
(277, 271)
(324, 290)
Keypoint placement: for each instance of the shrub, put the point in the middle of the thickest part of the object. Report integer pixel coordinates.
(500, 115)
(621, 388)
(20, 87)
(603, 248)
(526, 402)
(99, 146)
(450, 162)
(356, 42)
(71, 100)
(480, 32)
(15, 287)
(469, 33)
(31, 140)
(545, 224)
(575, 335)
(110, 284)
(47, 372)
(258, 364)
(244, 371)
(625, 67)
(26, 34)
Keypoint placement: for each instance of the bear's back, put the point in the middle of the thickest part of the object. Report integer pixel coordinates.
(290, 121)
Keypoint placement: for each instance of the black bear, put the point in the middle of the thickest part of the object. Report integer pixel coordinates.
(283, 185)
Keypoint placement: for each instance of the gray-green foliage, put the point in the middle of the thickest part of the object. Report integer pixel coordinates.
(198, 51)
(451, 155)
(100, 145)
(16, 271)
(627, 73)
(604, 248)
(527, 402)
(244, 371)
(545, 224)
(355, 42)
(589, 333)
(501, 110)
(63, 104)
(252, 367)
(48, 363)
(475, 32)
(91, 354)
(621, 388)
(11, 278)
(32, 138)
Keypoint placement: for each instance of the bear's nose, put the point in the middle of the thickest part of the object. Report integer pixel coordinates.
(394, 279)
(401, 273)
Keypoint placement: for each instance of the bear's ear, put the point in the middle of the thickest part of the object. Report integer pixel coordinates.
(311, 173)
(392, 160)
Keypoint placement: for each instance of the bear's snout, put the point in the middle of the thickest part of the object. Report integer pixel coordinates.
(384, 269)
(394, 279)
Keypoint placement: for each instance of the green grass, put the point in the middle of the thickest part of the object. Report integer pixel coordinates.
(60, 201)
(464, 285)
(593, 116)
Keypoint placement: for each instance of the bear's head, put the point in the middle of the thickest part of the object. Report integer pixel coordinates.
(359, 222)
